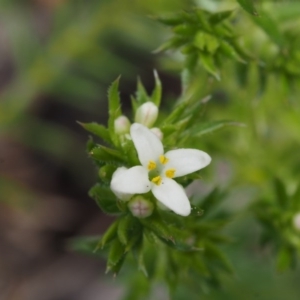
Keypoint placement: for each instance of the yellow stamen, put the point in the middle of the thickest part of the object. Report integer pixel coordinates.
(170, 173)
(151, 165)
(157, 180)
(163, 159)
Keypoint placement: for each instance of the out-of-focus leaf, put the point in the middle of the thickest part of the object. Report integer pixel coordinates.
(97, 129)
(220, 16)
(285, 259)
(248, 6)
(209, 127)
(86, 245)
(270, 27)
(105, 199)
(281, 194)
(213, 253)
(209, 65)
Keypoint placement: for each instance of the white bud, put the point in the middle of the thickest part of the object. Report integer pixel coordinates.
(296, 221)
(140, 207)
(146, 114)
(122, 125)
(157, 132)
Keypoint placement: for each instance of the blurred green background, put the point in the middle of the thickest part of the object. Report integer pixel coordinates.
(57, 59)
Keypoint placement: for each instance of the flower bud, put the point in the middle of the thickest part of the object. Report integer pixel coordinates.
(157, 132)
(140, 207)
(122, 125)
(296, 221)
(146, 114)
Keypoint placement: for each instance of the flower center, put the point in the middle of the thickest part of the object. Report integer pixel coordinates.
(157, 180)
(156, 170)
(151, 165)
(170, 173)
(163, 160)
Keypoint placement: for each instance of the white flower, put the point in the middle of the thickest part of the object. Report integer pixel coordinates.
(146, 114)
(157, 170)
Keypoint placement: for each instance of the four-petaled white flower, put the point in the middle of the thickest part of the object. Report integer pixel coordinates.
(157, 170)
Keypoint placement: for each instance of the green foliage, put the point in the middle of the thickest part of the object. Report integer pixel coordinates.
(276, 215)
(204, 38)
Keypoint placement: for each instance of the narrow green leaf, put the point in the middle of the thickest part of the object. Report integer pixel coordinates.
(171, 19)
(114, 107)
(108, 155)
(213, 253)
(209, 127)
(105, 199)
(84, 245)
(98, 130)
(108, 236)
(175, 114)
(229, 51)
(285, 259)
(270, 27)
(155, 224)
(248, 6)
(220, 17)
(141, 93)
(125, 228)
(157, 92)
(281, 194)
(115, 257)
(209, 65)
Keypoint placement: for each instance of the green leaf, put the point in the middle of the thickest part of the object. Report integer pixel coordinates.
(114, 106)
(98, 130)
(105, 199)
(108, 236)
(281, 194)
(213, 253)
(171, 19)
(209, 127)
(106, 172)
(141, 93)
(125, 228)
(209, 65)
(175, 115)
(157, 92)
(248, 6)
(220, 16)
(155, 224)
(230, 52)
(285, 258)
(115, 257)
(270, 27)
(86, 245)
(206, 41)
(107, 155)
(140, 258)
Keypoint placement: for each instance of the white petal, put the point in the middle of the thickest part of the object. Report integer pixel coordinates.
(173, 196)
(130, 181)
(147, 144)
(186, 161)
(121, 196)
